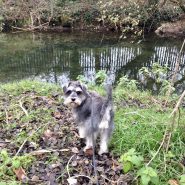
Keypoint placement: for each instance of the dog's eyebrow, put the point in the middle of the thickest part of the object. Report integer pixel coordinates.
(78, 89)
(70, 88)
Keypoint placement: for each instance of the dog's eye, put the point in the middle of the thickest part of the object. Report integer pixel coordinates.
(78, 92)
(68, 92)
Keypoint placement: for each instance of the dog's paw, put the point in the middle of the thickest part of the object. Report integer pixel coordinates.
(102, 152)
(87, 148)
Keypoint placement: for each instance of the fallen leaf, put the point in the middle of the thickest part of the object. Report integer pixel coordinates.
(74, 163)
(57, 115)
(35, 178)
(75, 150)
(173, 182)
(72, 181)
(2, 144)
(48, 134)
(21, 174)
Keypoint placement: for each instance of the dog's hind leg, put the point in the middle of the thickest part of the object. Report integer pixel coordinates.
(104, 139)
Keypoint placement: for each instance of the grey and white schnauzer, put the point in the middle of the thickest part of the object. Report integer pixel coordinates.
(92, 113)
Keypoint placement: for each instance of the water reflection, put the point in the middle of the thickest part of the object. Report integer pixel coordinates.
(58, 61)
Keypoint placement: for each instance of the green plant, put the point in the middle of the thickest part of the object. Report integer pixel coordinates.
(82, 79)
(131, 160)
(126, 83)
(158, 75)
(182, 180)
(147, 175)
(8, 164)
(100, 77)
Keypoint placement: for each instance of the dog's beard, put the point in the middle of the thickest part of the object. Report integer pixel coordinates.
(71, 103)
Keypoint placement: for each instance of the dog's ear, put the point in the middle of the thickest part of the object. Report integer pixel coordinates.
(64, 89)
(83, 87)
(69, 83)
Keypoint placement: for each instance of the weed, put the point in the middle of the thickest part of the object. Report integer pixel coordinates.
(8, 164)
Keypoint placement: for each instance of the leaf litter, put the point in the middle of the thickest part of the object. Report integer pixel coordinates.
(43, 127)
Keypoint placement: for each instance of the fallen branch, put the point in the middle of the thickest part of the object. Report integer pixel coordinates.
(32, 28)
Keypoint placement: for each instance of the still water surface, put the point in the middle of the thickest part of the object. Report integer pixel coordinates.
(58, 58)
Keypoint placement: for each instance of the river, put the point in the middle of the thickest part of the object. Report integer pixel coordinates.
(60, 57)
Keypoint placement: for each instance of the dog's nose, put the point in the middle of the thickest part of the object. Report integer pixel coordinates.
(73, 99)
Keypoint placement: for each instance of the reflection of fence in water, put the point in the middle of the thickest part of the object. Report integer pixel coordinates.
(53, 62)
(111, 59)
(168, 56)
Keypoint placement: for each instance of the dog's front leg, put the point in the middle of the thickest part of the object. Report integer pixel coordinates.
(89, 141)
(82, 132)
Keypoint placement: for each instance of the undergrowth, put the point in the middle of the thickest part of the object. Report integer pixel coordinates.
(141, 120)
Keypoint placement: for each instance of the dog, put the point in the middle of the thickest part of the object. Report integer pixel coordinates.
(93, 114)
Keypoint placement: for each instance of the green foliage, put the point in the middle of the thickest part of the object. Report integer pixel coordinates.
(100, 77)
(128, 17)
(8, 164)
(182, 180)
(130, 160)
(126, 83)
(158, 74)
(147, 175)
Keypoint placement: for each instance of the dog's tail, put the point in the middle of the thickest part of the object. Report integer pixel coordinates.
(107, 109)
(108, 89)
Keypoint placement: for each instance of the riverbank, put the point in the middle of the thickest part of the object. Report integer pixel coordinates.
(39, 138)
(133, 17)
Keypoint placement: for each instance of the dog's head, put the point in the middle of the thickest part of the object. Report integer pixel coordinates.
(74, 94)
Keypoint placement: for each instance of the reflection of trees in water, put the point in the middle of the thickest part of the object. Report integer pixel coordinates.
(59, 65)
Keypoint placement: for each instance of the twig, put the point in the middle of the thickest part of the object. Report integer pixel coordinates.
(174, 112)
(162, 143)
(27, 139)
(21, 146)
(114, 182)
(135, 112)
(68, 165)
(178, 104)
(6, 116)
(24, 110)
(76, 176)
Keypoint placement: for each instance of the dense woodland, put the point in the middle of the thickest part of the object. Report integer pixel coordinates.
(131, 16)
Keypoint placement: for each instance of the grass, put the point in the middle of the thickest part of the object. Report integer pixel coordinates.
(140, 123)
